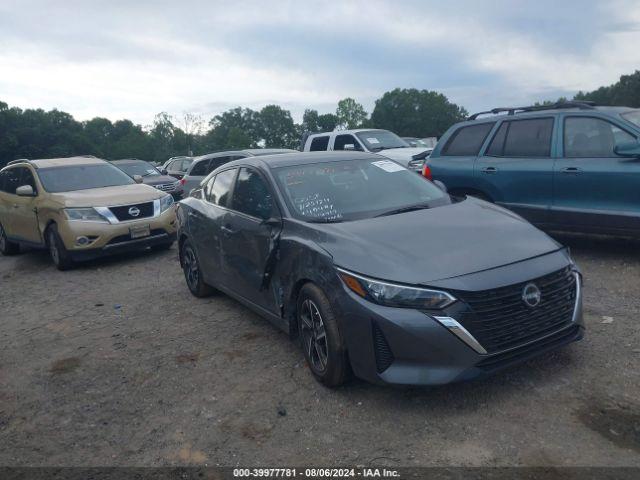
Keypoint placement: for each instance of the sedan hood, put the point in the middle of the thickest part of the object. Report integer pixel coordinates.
(402, 155)
(424, 246)
(108, 196)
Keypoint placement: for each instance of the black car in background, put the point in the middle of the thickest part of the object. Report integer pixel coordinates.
(146, 173)
(376, 270)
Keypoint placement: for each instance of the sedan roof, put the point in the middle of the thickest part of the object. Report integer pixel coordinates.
(305, 158)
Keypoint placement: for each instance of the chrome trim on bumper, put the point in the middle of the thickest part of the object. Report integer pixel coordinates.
(462, 333)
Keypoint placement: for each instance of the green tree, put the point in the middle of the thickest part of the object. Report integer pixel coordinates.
(416, 113)
(350, 114)
(276, 128)
(625, 92)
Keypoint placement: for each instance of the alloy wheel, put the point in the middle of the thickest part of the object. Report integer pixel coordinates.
(191, 268)
(314, 336)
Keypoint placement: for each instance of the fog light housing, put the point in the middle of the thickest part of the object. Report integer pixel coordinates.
(82, 241)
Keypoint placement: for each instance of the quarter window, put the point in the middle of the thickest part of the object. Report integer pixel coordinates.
(220, 186)
(586, 137)
(467, 140)
(251, 195)
(319, 144)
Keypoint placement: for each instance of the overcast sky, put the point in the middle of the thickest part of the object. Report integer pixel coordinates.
(132, 59)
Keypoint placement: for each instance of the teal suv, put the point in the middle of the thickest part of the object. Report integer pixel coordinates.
(571, 166)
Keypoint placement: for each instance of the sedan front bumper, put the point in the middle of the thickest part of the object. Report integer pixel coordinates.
(409, 347)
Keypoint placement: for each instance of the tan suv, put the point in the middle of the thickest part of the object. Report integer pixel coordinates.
(80, 208)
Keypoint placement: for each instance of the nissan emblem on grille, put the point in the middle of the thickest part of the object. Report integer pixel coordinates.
(531, 294)
(134, 211)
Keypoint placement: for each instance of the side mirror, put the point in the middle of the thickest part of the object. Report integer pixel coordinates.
(272, 222)
(440, 185)
(163, 171)
(25, 191)
(628, 149)
(137, 178)
(349, 146)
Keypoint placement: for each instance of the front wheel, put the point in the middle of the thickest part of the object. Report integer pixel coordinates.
(7, 247)
(192, 271)
(57, 251)
(322, 343)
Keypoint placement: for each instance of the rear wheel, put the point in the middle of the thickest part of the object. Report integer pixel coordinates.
(7, 247)
(57, 251)
(322, 343)
(192, 271)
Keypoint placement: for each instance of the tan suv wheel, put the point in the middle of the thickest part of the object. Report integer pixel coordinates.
(59, 254)
(7, 247)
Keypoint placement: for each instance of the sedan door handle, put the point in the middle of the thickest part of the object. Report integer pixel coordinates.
(571, 170)
(489, 170)
(15, 205)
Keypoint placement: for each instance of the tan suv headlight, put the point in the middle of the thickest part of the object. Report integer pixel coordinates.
(85, 215)
(165, 203)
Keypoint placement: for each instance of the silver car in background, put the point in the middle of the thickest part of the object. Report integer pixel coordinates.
(205, 164)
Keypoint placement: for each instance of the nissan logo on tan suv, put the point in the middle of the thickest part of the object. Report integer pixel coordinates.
(134, 211)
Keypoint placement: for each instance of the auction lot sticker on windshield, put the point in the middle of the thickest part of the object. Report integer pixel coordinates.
(373, 140)
(388, 166)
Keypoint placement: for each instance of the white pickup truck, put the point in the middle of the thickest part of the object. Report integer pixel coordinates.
(382, 142)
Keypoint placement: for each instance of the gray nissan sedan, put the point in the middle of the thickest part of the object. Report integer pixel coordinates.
(377, 271)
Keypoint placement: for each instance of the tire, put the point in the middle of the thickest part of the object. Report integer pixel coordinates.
(57, 251)
(192, 272)
(322, 343)
(7, 247)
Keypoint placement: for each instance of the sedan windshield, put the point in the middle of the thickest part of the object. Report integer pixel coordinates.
(82, 177)
(355, 189)
(144, 169)
(376, 140)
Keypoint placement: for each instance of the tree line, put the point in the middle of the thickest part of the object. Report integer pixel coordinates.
(36, 133)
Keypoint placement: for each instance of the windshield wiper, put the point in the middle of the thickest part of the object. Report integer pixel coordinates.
(408, 208)
(323, 220)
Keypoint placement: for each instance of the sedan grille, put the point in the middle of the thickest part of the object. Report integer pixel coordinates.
(128, 212)
(499, 319)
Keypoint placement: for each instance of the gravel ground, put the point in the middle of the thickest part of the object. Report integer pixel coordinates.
(115, 363)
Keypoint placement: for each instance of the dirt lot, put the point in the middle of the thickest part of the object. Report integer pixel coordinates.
(115, 363)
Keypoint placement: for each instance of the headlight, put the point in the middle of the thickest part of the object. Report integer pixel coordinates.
(165, 203)
(392, 295)
(84, 214)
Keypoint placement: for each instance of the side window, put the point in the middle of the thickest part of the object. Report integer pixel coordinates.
(467, 141)
(177, 166)
(529, 138)
(3, 176)
(217, 162)
(251, 195)
(219, 187)
(200, 169)
(27, 179)
(12, 180)
(319, 144)
(342, 140)
(592, 137)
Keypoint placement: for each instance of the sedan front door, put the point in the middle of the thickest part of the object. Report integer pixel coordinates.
(249, 240)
